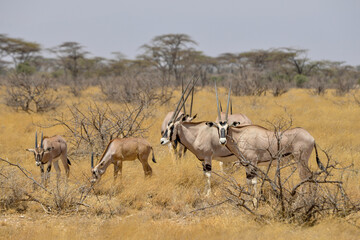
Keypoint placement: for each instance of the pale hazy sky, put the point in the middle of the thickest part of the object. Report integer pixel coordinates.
(329, 29)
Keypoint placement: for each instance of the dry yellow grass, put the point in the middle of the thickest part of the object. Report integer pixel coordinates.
(159, 207)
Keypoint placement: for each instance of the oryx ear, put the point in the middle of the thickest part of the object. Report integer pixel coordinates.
(30, 150)
(194, 116)
(235, 124)
(210, 124)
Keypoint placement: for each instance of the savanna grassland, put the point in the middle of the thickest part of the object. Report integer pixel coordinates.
(171, 204)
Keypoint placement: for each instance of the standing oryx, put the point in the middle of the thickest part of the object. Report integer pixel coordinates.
(258, 145)
(50, 150)
(200, 139)
(174, 145)
(188, 118)
(238, 119)
(123, 149)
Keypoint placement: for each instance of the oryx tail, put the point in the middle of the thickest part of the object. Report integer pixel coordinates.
(319, 163)
(153, 155)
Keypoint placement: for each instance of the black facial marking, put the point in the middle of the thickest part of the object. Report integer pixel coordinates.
(222, 133)
(171, 132)
(165, 134)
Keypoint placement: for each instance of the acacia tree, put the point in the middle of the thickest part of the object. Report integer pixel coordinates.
(166, 53)
(70, 54)
(19, 50)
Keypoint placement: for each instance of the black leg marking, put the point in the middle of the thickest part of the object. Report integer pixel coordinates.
(48, 168)
(206, 167)
(250, 175)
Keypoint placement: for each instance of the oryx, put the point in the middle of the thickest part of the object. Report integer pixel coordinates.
(200, 139)
(49, 152)
(237, 119)
(257, 145)
(178, 149)
(123, 149)
(179, 115)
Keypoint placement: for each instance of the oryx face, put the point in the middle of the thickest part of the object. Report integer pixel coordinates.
(98, 171)
(39, 151)
(39, 155)
(223, 127)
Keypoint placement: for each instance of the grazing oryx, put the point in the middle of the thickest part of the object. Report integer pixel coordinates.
(200, 139)
(50, 150)
(123, 149)
(261, 146)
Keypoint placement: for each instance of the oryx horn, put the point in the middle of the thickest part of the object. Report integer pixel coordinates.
(36, 140)
(227, 106)
(42, 138)
(217, 102)
(177, 106)
(182, 90)
(192, 100)
(92, 160)
(231, 106)
(187, 96)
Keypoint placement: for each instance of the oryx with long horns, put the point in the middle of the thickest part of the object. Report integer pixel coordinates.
(49, 152)
(237, 119)
(200, 138)
(123, 149)
(178, 149)
(256, 145)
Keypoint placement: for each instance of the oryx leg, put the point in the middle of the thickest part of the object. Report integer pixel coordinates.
(57, 169)
(304, 172)
(47, 173)
(180, 152)
(207, 172)
(64, 161)
(143, 158)
(42, 174)
(117, 169)
(251, 180)
(173, 151)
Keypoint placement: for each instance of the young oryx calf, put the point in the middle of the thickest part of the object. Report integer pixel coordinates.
(50, 150)
(123, 149)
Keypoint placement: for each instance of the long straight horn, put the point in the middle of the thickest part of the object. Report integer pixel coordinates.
(217, 103)
(182, 90)
(36, 140)
(220, 107)
(231, 107)
(42, 138)
(177, 106)
(192, 100)
(92, 160)
(187, 95)
(227, 106)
